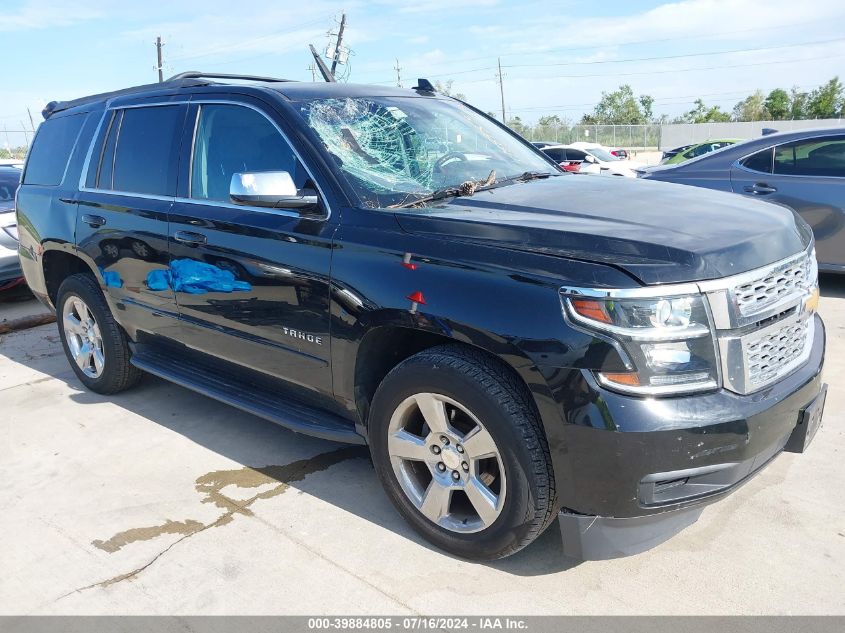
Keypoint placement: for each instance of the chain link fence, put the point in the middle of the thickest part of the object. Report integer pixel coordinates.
(627, 136)
(14, 143)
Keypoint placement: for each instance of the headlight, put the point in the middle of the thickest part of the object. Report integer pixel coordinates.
(667, 341)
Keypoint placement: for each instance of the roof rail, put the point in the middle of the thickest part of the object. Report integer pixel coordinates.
(57, 106)
(193, 74)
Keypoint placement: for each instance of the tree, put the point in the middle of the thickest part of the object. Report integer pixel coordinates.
(621, 108)
(550, 127)
(702, 114)
(777, 104)
(797, 104)
(752, 108)
(516, 124)
(827, 101)
(446, 89)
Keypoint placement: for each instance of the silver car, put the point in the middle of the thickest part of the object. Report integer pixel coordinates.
(803, 170)
(10, 267)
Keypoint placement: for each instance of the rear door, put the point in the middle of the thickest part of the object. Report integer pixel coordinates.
(252, 283)
(808, 176)
(129, 189)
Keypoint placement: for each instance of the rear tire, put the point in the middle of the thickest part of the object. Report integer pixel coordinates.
(482, 501)
(96, 347)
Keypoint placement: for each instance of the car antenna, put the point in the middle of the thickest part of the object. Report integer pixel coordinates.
(424, 85)
(321, 66)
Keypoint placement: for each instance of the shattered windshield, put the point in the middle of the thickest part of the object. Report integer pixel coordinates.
(394, 150)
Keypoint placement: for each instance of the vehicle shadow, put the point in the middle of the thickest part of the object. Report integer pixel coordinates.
(269, 453)
(832, 285)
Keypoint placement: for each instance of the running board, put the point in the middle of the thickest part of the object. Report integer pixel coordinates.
(242, 394)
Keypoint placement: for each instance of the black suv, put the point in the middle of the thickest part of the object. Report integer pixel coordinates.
(394, 268)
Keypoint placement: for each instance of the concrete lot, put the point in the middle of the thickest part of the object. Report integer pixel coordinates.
(161, 501)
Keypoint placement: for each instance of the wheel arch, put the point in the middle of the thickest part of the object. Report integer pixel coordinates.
(57, 265)
(383, 346)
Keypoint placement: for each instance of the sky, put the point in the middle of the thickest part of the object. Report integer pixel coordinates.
(557, 57)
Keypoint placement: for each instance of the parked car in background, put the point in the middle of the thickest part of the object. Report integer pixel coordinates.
(621, 154)
(542, 144)
(672, 152)
(699, 150)
(10, 267)
(11, 162)
(609, 165)
(572, 159)
(804, 170)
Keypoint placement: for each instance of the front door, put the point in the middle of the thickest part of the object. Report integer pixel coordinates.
(808, 176)
(251, 283)
(123, 211)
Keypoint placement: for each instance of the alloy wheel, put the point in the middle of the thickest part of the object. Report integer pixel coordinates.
(83, 337)
(446, 462)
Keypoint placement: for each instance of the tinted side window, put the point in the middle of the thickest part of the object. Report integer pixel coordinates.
(235, 139)
(106, 170)
(146, 150)
(51, 150)
(812, 157)
(9, 180)
(558, 155)
(761, 161)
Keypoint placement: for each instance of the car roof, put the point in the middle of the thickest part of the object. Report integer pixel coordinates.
(291, 90)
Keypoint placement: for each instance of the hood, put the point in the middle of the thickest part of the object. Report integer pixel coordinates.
(657, 232)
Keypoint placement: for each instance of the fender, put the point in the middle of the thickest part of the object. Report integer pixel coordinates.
(386, 279)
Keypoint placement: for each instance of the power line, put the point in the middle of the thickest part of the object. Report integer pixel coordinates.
(661, 57)
(638, 59)
(613, 44)
(673, 70)
(252, 40)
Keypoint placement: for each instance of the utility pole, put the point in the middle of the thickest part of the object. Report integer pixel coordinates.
(160, 65)
(313, 70)
(501, 79)
(31, 122)
(321, 66)
(336, 56)
(398, 74)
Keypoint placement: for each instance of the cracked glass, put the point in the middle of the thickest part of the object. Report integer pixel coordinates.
(394, 150)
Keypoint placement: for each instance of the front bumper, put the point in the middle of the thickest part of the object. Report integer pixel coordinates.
(635, 471)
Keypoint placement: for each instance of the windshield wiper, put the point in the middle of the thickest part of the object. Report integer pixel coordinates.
(466, 188)
(530, 175)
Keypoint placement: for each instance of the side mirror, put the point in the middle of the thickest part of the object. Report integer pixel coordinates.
(274, 189)
(590, 158)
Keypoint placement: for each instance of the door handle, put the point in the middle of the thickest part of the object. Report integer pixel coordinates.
(187, 237)
(759, 188)
(93, 221)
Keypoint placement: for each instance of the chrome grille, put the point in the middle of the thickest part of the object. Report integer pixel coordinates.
(762, 329)
(776, 285)
(769, 356)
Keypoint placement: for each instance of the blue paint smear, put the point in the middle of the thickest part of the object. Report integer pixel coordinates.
(196, 278)
(111, 278)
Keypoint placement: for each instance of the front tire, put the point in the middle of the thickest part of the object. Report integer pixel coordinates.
(461, 453)
(95, 345)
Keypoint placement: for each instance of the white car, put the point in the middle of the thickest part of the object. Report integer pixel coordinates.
(609, 165)
(10, 267)
(11, 162)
